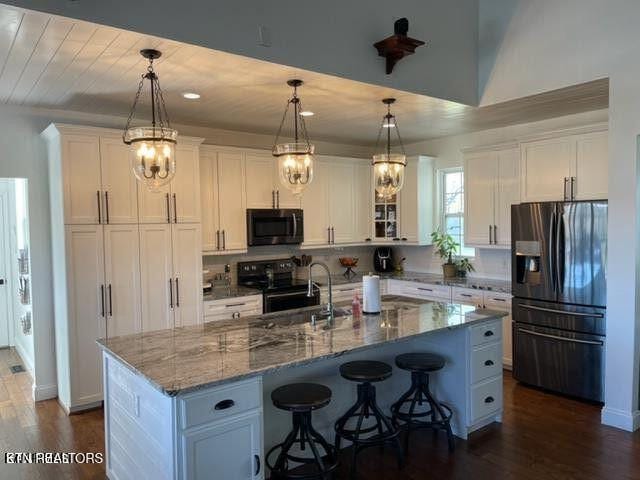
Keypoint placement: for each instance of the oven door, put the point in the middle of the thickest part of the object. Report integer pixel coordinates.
(274, 226)
(279, 301)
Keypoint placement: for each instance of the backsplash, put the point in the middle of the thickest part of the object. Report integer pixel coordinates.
(216, 263)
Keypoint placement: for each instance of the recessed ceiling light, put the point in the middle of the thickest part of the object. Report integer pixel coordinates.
(191, 95)
(306, 113)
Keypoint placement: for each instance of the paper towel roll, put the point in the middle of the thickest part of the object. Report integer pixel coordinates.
(371, 294)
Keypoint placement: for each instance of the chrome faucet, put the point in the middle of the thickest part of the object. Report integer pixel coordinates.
(328, 309)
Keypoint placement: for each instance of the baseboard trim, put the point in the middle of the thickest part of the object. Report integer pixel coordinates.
(25, 358)
(507, 363)
(625, 420)
(44, 392)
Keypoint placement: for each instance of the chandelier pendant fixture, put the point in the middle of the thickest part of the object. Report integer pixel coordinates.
(389, 167)
(295, 160)
(152, 148)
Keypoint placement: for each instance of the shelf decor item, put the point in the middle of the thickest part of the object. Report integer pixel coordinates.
(349, 263)
(446, 247)
(152, 147)
(398, 45)
(295, 159)
(389, 167)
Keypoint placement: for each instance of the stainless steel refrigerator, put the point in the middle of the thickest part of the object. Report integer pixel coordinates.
(559, 283)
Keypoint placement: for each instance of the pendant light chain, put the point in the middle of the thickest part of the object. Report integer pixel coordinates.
(386, 119)
(299, 125)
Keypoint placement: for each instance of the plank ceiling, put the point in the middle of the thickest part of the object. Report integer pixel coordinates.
(54, 62)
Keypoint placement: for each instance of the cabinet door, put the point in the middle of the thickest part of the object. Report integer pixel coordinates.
(259, 180)
(508, 193)
(82, 183)
(480, 174)
(185, 187)
(155, 274)
(592, 166)
(408, 203)
(227, 449)
(544, 166)
(154, 207)
(86, 303)
(232, 201)
(363, 195)
(341, 181)
(122, 278)
(501, 301)
(209, 199)
(187, 274)
(315, 204)
(284, 197)
(118, 183)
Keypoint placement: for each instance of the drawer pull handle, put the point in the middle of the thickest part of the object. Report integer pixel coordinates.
(499, 299)
(229, 305)
(257, 459)
(488, 400)
(224, 404)
(488, 333)
(488, 363)
(425, 289)
(468, 295)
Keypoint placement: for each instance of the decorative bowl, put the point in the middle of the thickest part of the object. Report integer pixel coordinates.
(348, 261)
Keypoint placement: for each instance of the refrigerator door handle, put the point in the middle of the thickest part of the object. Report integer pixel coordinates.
(560, 254)
(557, 337)
(562, 312)
(551, 259)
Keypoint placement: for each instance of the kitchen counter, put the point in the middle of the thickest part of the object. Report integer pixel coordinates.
(502, 286)
(184, 359)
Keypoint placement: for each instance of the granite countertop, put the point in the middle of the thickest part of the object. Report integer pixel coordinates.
(502, 286)
(220, 293)
(185, 359)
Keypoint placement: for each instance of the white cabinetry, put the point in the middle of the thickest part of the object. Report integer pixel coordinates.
(315, 206)
(491, 187)
(264, 189)
(112, 271)
(566, 166)
(179, 201)
(230, 308)
(223, 199)
(416, 202)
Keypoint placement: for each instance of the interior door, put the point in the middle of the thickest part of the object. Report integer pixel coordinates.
(120, 202)
(259, 180)
(232, 201)
(187, 274)
(82, 183)
(582, 253)
(5, 271)
(315, 204)
(87, 310)
(185, 187)
(122, 278)
(156, 279)
(480, 175)
(341, 201)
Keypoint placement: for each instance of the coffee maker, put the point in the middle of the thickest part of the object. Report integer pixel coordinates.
(383, 260)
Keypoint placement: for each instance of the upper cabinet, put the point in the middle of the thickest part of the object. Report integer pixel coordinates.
(223, 200)
(491, 187)
(179, 201)
(565, 167)
(118, 182)
(264, 189)
(416, 202)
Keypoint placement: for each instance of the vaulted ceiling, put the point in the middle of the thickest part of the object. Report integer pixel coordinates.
(54, 62)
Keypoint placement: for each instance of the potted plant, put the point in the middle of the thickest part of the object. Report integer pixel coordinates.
(464, 266)
(446, 247)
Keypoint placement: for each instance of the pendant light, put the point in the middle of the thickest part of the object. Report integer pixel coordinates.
(295, 160)
(152, 147)
(389, 167)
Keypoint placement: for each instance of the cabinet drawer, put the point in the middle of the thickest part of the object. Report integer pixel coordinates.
(221, 402)
(486, 332)
(486, 361)
(423, 290)
(231, 305)
(486, 398)
(467, 296)
(497, 301)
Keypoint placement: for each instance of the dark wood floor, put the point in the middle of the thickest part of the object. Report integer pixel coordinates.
(542, 437)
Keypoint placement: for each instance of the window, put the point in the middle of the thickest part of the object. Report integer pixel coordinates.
(452, 207)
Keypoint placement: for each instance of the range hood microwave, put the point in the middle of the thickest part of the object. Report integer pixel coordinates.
(274, 226)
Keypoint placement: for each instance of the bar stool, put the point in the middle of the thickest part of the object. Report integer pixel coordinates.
(301, 399)
(366, 372)
(420, 365)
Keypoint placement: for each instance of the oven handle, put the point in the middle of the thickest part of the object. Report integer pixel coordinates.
(563, 312)
(295, 225)
(564, 339)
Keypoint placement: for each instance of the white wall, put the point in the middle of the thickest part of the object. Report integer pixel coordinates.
(330, 36)
(488, 263)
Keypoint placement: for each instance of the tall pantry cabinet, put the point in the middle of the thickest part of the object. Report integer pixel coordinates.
(108, 269)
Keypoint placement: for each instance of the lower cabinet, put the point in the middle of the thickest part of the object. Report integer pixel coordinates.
(236, 443)
(230, 308)
(437, 293)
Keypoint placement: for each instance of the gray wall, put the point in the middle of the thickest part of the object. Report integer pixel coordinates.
(330, 36)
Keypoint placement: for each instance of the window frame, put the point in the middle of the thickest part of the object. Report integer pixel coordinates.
(464, 251)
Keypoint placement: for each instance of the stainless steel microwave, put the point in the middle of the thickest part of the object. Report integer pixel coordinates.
(267, 226)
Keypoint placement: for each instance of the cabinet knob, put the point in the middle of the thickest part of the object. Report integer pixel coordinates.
(224, 404)
(488, 363)
(488, 333)
(489, 400)
(258, 466)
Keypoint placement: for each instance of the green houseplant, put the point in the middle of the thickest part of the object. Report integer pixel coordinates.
(446, 247)
(464, 267)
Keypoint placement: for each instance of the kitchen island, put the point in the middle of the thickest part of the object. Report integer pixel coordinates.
(194, 402)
